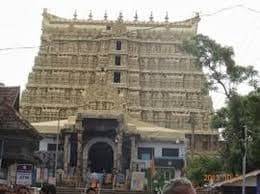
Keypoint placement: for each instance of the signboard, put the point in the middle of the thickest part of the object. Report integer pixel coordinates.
(137, 182)
(120, 178)
(24, 174)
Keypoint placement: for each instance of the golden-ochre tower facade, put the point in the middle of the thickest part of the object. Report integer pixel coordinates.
(131, 66)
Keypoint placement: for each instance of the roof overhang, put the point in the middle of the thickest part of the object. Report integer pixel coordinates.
(237, 179)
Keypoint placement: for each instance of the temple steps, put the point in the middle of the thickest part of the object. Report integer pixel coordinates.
(77, 190)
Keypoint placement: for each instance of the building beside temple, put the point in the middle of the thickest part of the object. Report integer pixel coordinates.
(133, 94)
(109, 141)
(18, 138)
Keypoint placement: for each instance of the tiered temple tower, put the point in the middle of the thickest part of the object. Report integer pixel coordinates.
(138, 64)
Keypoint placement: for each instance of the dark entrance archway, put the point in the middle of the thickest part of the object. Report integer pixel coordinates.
(100, 156)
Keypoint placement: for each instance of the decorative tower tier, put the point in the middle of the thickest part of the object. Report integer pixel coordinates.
(131, 66)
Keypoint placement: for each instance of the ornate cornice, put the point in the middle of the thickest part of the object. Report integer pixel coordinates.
(49, 18)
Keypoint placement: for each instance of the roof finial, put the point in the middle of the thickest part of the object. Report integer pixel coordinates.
(90, 16)
(136, 16)
(151, 17)
(166, 17)
(75, 15)
(105, 15)
(45, 11)
(120, 17)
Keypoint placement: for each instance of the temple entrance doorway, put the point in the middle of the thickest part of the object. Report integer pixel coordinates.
(100, 157)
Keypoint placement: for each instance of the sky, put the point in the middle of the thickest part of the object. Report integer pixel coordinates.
(233, 23)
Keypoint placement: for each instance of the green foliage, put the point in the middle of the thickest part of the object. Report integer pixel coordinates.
(200, 166)
(156, 181)
(219, 66)
(241, 112)
(219, 119)
(252, 109)
(222, 72)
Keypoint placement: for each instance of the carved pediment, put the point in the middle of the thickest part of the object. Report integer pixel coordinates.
(102, 97)
(118, 28)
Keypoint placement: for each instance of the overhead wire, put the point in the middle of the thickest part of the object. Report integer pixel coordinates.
(136, 30)
(230, 8)
(18, 48)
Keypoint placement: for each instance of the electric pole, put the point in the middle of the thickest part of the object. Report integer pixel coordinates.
(244, 161)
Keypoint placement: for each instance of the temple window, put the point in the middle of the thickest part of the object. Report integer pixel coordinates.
(118, 45)
(118, 60)
(117, 77)
(52, 147)
(205, 145)
(170, 152)
(145, 153)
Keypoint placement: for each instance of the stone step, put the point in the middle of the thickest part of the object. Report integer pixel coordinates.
(73, 190)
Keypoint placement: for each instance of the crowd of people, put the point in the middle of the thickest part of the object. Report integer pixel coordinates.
(21, 189)
(176, 186)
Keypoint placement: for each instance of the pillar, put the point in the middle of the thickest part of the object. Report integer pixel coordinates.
(84, 164)
(133, 153)
(84, 169)
(66, 154)
(79, 156)
(119, 152)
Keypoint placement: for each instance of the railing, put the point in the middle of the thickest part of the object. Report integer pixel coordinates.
(172, 158)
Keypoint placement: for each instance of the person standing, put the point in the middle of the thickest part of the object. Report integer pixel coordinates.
(48, 189)
(91, 191)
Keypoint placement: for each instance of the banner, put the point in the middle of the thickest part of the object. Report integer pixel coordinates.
(24, 174)
(137, 182)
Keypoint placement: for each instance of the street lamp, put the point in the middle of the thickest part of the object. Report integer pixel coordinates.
(57, 145)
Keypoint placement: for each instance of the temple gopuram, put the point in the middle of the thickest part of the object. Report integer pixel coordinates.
(119, 80)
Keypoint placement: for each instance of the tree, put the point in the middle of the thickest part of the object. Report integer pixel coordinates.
(234, 135)
(218, 64)
(241, 111)
(252, 102)
(200, 166)
(224, 74)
